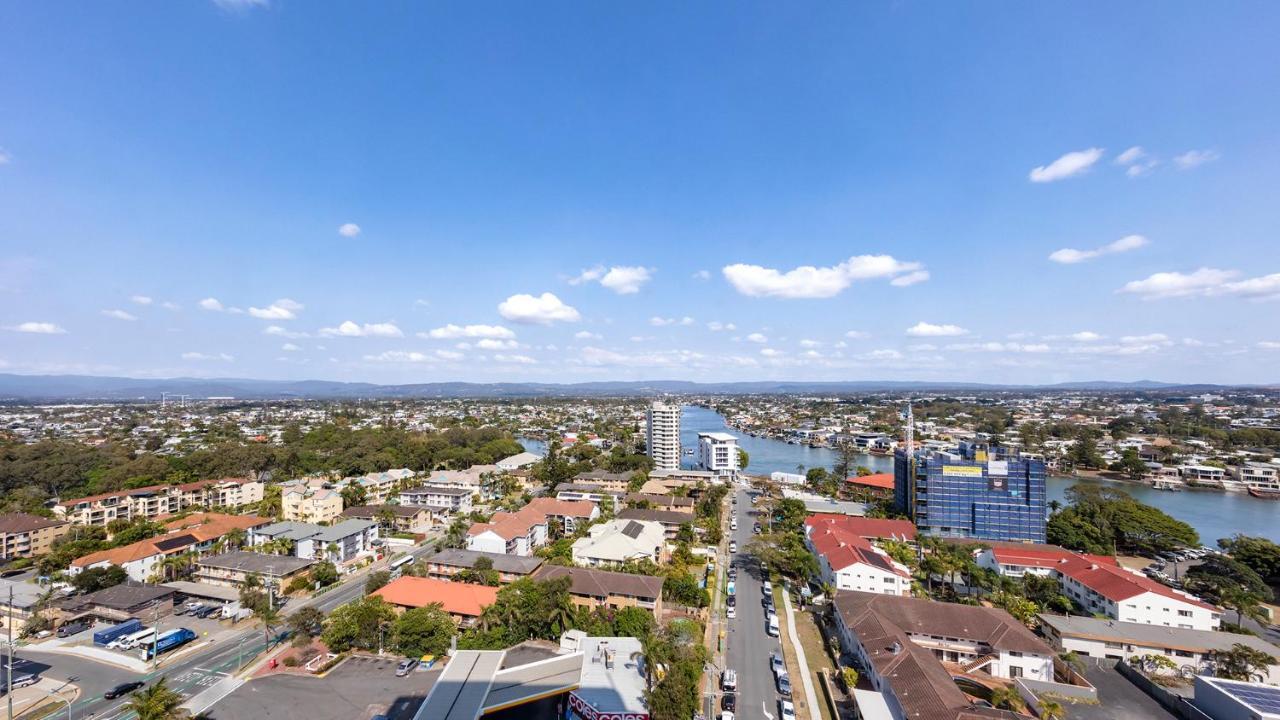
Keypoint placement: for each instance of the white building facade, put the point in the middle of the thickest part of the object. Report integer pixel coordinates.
(662, 436)
(718, 453)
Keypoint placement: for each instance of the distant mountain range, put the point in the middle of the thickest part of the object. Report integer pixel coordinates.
(87, 387)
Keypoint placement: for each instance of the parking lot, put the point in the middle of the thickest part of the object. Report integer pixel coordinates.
(358, 689)
(207, 628)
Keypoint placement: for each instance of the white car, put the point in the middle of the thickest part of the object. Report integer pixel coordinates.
(733, 547)
(786, 711)
(731, 612)
(768, 588)
(726, 715)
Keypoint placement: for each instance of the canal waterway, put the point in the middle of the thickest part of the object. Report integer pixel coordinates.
(1213, 514)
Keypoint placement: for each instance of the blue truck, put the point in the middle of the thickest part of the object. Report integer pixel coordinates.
(168, 641)
(102, 637)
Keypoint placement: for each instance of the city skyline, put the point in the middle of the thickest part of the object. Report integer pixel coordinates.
(886, 192)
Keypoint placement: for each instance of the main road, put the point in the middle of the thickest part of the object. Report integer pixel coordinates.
(190, 673)
(748, 643)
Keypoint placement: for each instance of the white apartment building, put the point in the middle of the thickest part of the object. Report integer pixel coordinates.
(1128, 596)
(718, 453)
(441, 501)
(662, 436)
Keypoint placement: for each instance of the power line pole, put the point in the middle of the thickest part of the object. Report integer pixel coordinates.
(9, 679)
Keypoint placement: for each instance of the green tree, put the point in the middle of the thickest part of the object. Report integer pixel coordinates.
(324, 573)
(358, 624)
(1260, 555)
(376, 580)
(307, 622)
(633, 622)
(423, 631)
(157, 702)
(744, 459)
(99, 578)
(1241, 662)
(354, 495)
(1131, 465)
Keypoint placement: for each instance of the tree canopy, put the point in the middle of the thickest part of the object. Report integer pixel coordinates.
(1104, 520)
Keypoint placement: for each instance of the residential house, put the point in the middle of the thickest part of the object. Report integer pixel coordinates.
(142, 561)
(614, 482)
(674, 503)
(23, 535)
(872, 529)
(340, 543)
(670, 520)
(464, 602)
(380, 486)
(1190, 650)
(18, 601)
(596, 494)
(520, 532)
(233, 568)
(908, 649)
(518, 461)
(393, 518)
(303, 503)
(618, 542)
(442, 502)
(1129, 596)
(479, 479)
(590, 588)
(847, 561)
(449, 562)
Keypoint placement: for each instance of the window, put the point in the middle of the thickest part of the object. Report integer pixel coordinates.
(1184, 613)
(1015, 671)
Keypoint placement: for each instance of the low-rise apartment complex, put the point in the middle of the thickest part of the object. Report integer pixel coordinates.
(155, 500)
(23, 535)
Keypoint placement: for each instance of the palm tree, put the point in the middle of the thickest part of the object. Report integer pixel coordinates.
(1007, 698)
(235, 538)
(157, 702)
(269, 616)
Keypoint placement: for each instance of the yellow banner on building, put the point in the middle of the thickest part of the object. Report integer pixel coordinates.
(962, 470)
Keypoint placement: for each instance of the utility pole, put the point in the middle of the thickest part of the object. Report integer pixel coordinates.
(155, 638)
(9, 679)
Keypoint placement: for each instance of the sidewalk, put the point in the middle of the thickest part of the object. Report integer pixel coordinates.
(29, 698)
(806, 676)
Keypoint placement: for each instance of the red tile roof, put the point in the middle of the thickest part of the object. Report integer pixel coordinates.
(1116, 584)
(1041, 556)
(843, 549)
(883, 481)
(517, 524)
(456, 598)
(869, 528)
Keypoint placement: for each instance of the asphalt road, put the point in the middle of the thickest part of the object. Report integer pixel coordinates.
(188, 674)
(748, 643)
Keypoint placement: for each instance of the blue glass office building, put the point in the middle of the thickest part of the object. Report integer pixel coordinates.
(972, 493)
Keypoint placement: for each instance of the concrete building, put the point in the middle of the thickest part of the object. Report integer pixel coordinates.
(143, 561)
(1190, 650)
(592, 588)
(662, 436)
(443, 502)
(23, 535)
(232, 569)
(618, 542)
(464, 602)
(393, 518)
(340, 543)
(521, 532)
(447, 563)
(518, 461)
(590, 492)
(973, 492)
(908, 650)
(847, 561)
(718, 453)
(380, 486)
(670, 520)
(1129, 596)
(156, 500)
(302, 503)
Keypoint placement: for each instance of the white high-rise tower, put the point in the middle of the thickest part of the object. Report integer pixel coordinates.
(662, 436)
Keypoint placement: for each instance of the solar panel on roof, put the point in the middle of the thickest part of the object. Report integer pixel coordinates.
(632, 530)
(175, 542)
(1262, 697)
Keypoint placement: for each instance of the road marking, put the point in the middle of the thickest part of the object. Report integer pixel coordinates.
(215, 672)
(765, 707)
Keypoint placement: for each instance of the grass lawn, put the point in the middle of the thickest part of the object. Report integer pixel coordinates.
(816, 655)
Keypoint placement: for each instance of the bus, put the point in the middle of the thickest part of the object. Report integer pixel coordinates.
(398, 565)
(131, 641)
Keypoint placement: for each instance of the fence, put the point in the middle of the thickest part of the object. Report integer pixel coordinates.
(1170, 701)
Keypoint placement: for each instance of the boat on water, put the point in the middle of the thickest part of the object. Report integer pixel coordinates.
(1265, 493)
(1168, 485)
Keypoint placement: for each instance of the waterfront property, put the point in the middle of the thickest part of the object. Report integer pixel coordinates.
(662, 436)
(973, 492)
(718, 453)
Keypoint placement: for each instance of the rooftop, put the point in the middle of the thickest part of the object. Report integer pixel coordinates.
(458, 557)
(602, 583)
(456, 598)
(257, 563)
(23, 522)
(1200, 641)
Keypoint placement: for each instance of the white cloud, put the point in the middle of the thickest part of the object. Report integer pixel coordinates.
(543, 309)
(1069, 256)
(117, 314)
(814, 282)
(757, 338)
(167, 305)
(348, 230)
(657, 321)
(212, 304)
(222, 357)
(282, 332)
(1205, 282)
(1195, 158)
(515, 359)
(626, 280)
(1086, 336)
(702, 275)
(5, 157)
(588, 275)
(241, 5)
(1069, 165)
(1131, 156)
(38, 328)
(1136, 162)
(924, 329)
(910, 278)
(282, 309)
(1000, 347)
(881, 355)
(400, 356)
(449, 355)
(1157, 338)
(587, 335)
(290, 347)
(771, 352)
(857, 335)
(810, 343)
(351, 329)
(717, 326)
(495, 344)
(140, 300)
(451, 332)
(1269, 345)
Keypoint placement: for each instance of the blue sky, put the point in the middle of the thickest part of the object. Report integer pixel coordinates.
(1031, 192)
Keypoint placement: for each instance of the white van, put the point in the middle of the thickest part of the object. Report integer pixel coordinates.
(128, 642)
(773, 624)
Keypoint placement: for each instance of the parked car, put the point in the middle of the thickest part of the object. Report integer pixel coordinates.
(786, 711)
(122, 689)
(20, 680)
(207, 611)
(405, 667)
(731, 612)
(756, 529)
(776, 663)
(729, 680)
(729, 702)
(71, 628)
(726, 715)
(768, 587)
(784, 684)
(733, 547)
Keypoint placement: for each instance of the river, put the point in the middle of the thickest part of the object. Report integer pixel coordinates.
(1213, 514)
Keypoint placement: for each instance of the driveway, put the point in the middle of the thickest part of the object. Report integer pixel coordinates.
(357, 689)
(1118, 699)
